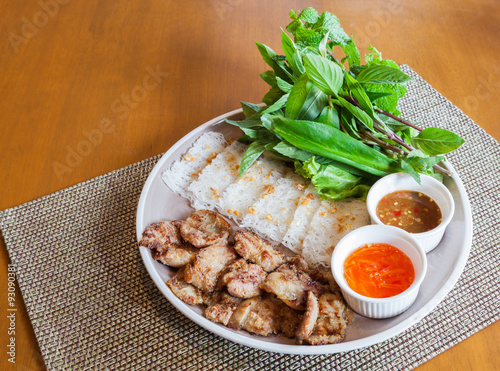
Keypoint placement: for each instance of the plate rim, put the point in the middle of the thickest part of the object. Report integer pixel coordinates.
(254, 341)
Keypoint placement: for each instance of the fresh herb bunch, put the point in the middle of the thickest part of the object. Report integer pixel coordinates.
(340, 126)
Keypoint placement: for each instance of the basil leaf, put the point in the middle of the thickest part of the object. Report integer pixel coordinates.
(357, 112)
(299, 65)
(329, 116)
(249, 109)
(252, 153)
(305, 101)
(436, 141)
(422, 163)
(382, 74)
(326, 141)
(358, 92)
(283, 85)
(272, 95)
(280, 103)
(349, 124)
(407, 168)
(325, 74)
(292, 54)
(269, 77)
(267, 54)
(286, 149)
(356, 69)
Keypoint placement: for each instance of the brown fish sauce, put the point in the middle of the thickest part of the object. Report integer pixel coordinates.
(412, 211)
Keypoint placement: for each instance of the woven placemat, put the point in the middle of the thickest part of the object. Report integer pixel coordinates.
(93, 305)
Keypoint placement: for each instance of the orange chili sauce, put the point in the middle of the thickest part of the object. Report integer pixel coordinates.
(378, 270)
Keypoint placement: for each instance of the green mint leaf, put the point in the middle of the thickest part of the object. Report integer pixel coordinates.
(387, 103)
(325, 74)
(328, 23)
(309, 16)
(376, 95)
(351, 53)
(436, 141)
(383, 75)
(374, 56)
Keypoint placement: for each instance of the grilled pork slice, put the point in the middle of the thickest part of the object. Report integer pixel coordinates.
(259, 315)
(325, 276)
(290, 320)
(258, 250)
(204, 228)
(333, 318)
(298, 261)
(205, 269)
(176, 255)
(184, 291)
(221, 306)
(242, 279)
(291, 285)
(308, 323)
(159, 236)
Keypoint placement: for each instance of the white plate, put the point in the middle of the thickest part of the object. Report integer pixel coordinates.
(445, 263)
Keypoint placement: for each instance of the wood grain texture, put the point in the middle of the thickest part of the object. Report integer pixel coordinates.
(90, 86)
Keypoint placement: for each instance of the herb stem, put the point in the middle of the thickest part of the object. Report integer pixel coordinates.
(393, 148)
(399, 119)
(392, 136)
(378, 126)
(334, 57)
(381, 143)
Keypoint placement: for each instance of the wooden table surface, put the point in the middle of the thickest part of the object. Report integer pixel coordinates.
(90, 86)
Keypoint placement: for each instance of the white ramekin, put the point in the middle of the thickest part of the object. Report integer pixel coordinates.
(379, 307)
(429, 186)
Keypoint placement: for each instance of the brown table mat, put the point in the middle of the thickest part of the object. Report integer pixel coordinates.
(93, 305)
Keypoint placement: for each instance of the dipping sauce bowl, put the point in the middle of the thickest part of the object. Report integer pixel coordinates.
(379, 234)
(430, 187)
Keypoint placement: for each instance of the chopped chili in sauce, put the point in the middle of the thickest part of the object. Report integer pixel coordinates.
(378, 271)
(412, 211)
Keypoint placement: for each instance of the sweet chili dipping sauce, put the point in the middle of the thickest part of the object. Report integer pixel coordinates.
(412, 211)
(378, 270)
